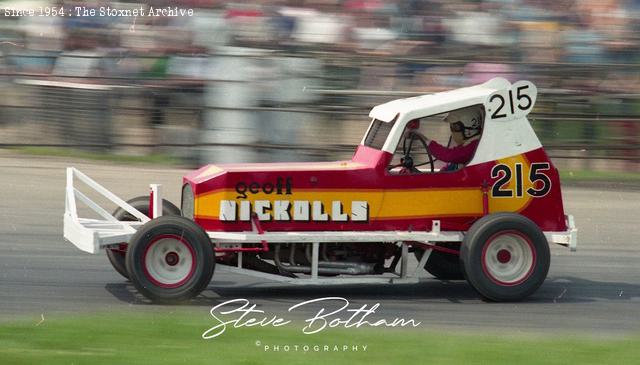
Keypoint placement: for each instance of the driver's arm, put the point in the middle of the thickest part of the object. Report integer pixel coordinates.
(458, 154)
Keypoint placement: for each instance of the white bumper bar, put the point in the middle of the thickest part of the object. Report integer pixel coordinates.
(92, 235)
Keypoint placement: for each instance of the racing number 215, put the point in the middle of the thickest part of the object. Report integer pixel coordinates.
(524, 102)
(504, 174)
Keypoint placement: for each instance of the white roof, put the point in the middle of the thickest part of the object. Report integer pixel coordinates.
(506, 130)
(431, 104)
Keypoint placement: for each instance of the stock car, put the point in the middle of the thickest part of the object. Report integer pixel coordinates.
(489, 222)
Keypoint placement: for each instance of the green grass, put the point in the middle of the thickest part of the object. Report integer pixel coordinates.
(171, 337)
(587, 176)
(163, 159)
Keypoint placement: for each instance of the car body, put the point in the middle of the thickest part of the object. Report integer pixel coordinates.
(489, 221)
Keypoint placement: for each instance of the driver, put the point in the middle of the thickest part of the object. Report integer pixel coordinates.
(466, 126)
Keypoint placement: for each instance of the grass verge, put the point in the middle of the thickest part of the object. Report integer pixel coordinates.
(175, 338)
(599, 176)
(162, 159)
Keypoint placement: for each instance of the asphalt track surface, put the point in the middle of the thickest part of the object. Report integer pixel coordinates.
(595, 290)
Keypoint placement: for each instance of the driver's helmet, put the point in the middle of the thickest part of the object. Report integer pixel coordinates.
(466, 120)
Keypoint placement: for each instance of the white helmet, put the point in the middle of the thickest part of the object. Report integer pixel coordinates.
(466, 120)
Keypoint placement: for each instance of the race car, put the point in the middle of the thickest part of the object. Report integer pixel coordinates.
(488, 217)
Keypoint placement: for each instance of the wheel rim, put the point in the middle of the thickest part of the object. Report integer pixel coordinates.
(169, 261)
(508, 258)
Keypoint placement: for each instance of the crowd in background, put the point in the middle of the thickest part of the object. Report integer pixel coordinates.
(581, 32)
(252, 70)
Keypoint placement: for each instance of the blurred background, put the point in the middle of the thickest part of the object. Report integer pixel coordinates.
(294, 80)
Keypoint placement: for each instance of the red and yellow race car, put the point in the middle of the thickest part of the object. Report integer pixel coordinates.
(459, 179)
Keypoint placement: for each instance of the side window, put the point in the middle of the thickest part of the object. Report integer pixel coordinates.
(456, 135)
(433, 128)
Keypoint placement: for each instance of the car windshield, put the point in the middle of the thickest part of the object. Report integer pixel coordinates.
(378, 133)
(434, 128)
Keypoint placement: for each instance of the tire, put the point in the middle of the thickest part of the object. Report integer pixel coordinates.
(116, 255)
(170, 259)
(116, 258)
(442, 265)
(505, 257)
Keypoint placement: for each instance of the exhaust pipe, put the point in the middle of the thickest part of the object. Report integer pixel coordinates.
(326, 267)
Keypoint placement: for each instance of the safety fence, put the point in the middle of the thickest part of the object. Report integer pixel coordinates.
(303, 106)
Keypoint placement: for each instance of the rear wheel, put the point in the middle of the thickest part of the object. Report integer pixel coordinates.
(117, 254)
(170, 259)
(505, 257)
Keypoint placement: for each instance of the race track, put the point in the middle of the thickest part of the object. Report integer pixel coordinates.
(595, 290)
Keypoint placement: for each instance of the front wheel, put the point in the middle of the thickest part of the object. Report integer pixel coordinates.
(170, 259)
(505, 257)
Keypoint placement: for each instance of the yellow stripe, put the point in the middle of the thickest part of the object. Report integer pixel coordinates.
(392, 204)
